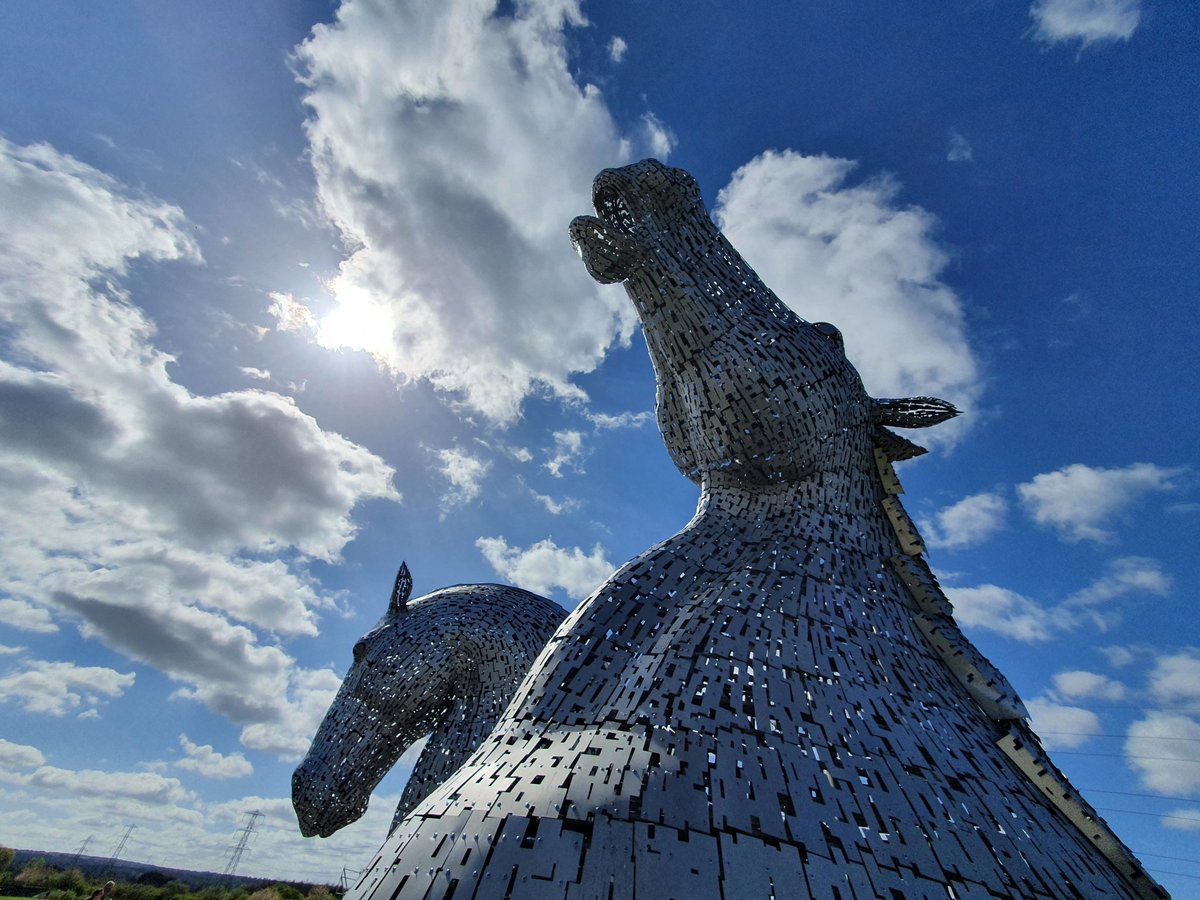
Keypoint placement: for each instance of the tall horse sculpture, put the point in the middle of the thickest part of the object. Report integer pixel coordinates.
(774, 702)
(443, 665)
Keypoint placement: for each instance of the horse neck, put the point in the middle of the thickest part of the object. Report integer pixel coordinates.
(836, 510)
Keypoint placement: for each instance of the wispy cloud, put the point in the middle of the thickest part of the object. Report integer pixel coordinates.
(1087, 21)
(617, 48)
(465, 472)
(992, 608)
(959, 149)
(568, 452)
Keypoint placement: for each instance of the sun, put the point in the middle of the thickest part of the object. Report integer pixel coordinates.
(359, 322)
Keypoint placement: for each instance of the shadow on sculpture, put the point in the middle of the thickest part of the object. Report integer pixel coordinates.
(444, 665)
(776, 701)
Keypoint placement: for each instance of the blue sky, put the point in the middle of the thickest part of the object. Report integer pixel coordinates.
(286, 297)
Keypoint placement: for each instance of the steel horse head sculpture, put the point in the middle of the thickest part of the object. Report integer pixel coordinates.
(775, 701)
(444, 665)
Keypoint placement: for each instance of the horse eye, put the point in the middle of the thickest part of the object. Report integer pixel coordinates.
(360, 650)
(829, 331)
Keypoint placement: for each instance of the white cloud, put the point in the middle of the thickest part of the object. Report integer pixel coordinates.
(555, 507)
(1117, 656)
(658, 138)
(465, 474)
(617, 48)
(1005, 612)
(850, 255)
(255, 373)
(960, 149)
(1078, 684)
(144, 787)
(6, 650)
(1163, 749)
(1089, 21)
(1126, 575)
(451, 147)
(19, 756)
(544, 566)
(151, 515)
(58, 687)
(1184, 819)
(1080, 502)
(289, 732)
(1175, 679)
(203, 759)
(1059, 725)
(290, 314)
(970, 521)
(607, 422)
(568, 451)
(24, 615)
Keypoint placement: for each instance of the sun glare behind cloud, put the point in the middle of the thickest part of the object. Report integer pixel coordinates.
(358, 323)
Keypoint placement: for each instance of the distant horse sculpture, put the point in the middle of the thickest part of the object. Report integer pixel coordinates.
(775, 702)
(443, 665)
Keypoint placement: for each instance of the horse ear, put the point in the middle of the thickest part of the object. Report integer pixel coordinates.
(401, 591)
(895, 447)
(912, 412)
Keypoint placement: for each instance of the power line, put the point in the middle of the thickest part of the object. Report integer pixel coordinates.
(1175, 858)
(1182, 759)
(1146, 796)
(1139, 737)
(1165, 872)
(1138, 812)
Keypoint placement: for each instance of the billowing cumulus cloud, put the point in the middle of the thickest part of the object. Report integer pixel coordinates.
(1162, 748)
(1175, 679)
(1079, 684)
(56, 688)
(1005, 612)
(145, 787)
(153, 518)
(1088, 21)
(1060, 725)
(206, 761)
(19, 756)
(545, 566)
(850, 254)
(452, 146)
(1082, 502)
(970, 521)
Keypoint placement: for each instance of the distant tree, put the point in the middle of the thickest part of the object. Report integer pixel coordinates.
(34, 872)
(267, 893)
(6, 858)
(154, 878)
(288, 891)
(320, 892)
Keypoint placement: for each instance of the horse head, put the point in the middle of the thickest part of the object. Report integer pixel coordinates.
(397, 691)
(749, 393)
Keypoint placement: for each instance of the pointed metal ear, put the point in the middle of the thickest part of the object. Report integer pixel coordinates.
(401, 591)
(894, 447)
(912, 412)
